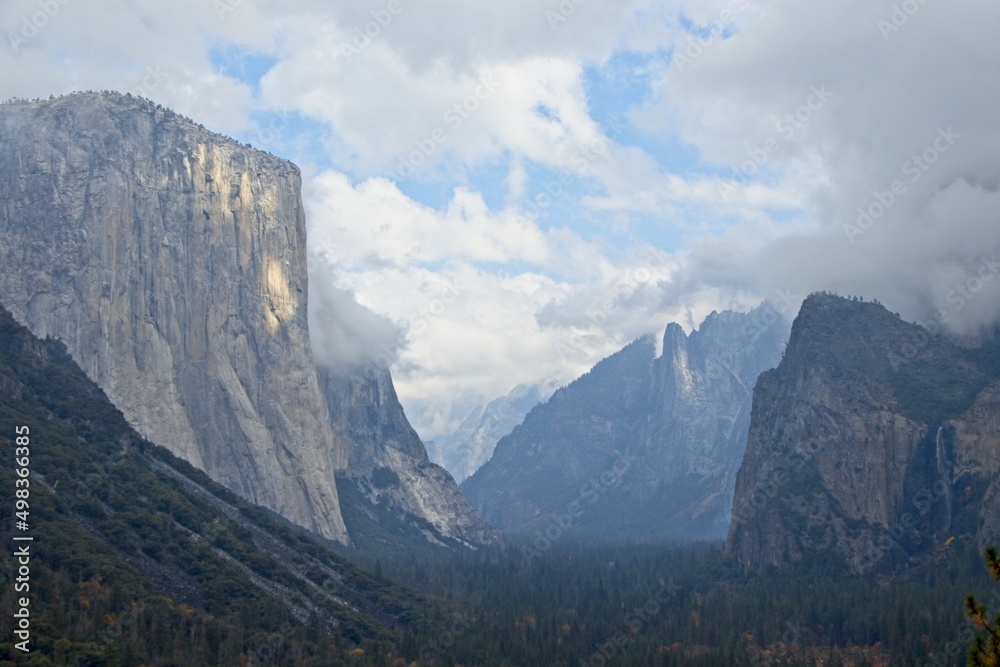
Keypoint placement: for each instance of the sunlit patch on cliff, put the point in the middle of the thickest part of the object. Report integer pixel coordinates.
(281, 301)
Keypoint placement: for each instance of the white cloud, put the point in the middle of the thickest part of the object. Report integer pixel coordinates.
(374, 223)
(889, 100)
(476, 325)
(344, 334)
(436, 122)
(155, 49)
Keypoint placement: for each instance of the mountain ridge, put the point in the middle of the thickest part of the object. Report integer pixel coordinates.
(172, 261)
(871, 438)
(129, 538)
(665, 434)
(465, 450)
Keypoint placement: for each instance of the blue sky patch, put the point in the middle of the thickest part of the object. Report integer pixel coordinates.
(241, 63)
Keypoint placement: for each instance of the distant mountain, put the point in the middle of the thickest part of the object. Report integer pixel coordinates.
(172, 263)
(872, 442)
(641, 447)
(471, 445)
(136, 557)
(394, 498)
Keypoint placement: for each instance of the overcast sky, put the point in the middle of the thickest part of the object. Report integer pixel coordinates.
(518, 189)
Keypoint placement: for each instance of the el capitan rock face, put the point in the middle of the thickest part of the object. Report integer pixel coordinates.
(871, 441)
(641, 447)
(172, 263)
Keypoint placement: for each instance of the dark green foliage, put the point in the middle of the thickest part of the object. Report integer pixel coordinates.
(988, 356)
(567, 605)
(985, 651)
(934, 380)
(140, 558)
(932, 391)
(384, 478)
(931, 379)
(379, 528)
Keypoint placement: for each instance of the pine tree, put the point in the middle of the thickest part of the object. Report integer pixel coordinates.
(985, 651)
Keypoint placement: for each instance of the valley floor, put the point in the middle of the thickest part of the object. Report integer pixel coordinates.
(579, 605)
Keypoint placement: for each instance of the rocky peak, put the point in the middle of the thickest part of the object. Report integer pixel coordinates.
(855, 441)
(171, 261)
(396, 496)
(655, 442)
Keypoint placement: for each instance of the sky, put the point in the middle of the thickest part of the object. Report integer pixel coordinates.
(504, 193)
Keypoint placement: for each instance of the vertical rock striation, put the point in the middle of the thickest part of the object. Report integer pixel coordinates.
(641, 447)
(975, 445)
(872, 442)
(398, 497)
(172, 264)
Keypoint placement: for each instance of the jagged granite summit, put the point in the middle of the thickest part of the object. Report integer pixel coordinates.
(641, 447)
(872, 442)
(171, 261)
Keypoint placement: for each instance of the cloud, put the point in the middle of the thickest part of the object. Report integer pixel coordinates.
(534, 107)
(158, 51)
(463, 35)
(908, 106)
(487, 299)
(345, 335)
(374, 223)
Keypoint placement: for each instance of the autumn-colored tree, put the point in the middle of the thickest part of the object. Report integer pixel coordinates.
(985, 650)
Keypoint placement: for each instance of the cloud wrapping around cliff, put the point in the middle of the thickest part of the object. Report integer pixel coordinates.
(897, 154)
(345, 335)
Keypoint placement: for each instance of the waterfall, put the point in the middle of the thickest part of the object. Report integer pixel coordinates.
(944, 475)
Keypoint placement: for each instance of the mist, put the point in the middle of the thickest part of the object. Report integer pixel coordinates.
(887, 136)
(346, 335)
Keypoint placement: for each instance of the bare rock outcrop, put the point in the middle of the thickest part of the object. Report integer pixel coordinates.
(871, 444)
(640, 447)
(172, 263)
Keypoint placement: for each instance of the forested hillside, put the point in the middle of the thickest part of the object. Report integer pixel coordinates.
(138, 558)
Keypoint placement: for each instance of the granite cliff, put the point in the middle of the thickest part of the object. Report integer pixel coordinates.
(872, 442)
(393, 493)
(132, 537)
(171, 261)
(641, 447)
